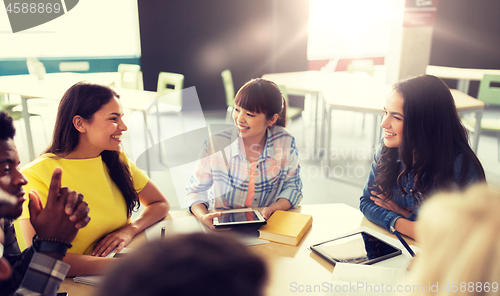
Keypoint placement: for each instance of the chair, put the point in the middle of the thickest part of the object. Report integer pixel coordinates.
(18, 115)
(487, 93)
(130, 76)
(227, 81)
(167, 83)
(361, 66)
(366, 66)
(292, 113)
(35, 67)
(8, 107)
(490, 95)
(167, 103)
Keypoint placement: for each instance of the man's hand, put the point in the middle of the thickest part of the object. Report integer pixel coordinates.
(64, 214)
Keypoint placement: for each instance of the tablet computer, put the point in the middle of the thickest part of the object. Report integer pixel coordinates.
(357, 248)
(239, 219)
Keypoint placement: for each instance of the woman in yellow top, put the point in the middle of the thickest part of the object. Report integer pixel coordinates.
(86, 145)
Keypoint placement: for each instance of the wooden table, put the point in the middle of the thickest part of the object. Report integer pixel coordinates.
(287, 264)
(463, 75)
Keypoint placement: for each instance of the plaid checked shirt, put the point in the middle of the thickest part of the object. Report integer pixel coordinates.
(221, 180)
(32, 273)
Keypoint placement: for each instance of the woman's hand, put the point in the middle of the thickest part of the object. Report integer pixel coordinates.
(201, 213)
(383, 201)
(281, 204)
(267, 212)
(208, 219)
(117, 239)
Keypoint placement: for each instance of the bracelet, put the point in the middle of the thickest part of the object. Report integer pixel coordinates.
(50, 245)
(52, 240)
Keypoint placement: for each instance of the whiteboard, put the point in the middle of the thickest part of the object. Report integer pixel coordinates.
(351, 28)
(91, 28)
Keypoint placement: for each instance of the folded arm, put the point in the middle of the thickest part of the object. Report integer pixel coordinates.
(373, 212)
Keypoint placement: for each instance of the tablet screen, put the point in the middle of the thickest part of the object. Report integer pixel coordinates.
(238, 217)
(356, 248)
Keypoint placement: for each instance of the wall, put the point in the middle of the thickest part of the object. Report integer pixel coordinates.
(466, 35)
(94, 36)
(202, 38)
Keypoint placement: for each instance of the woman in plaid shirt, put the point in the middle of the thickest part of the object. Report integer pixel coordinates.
(256, 163)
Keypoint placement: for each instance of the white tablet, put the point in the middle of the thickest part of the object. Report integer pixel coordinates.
(239, 219)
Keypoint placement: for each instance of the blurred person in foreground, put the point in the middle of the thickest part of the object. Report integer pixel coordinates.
(38, 270)
(192, 264)
(460, 245)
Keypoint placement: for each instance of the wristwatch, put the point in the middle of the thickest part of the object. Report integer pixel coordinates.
(50, 245)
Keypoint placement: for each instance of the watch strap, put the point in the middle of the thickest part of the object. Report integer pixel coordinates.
(42, 245)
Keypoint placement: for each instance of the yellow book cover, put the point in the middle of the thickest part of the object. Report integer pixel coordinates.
(286, 227)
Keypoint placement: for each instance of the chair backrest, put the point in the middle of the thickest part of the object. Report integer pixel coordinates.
(489, 90)
(35, 67)
(284, 92)
(227, 81)
(361, 66)
(170, 82)
(2, 99)
(129, 76)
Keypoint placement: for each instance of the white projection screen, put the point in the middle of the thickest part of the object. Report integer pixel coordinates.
(93, 28)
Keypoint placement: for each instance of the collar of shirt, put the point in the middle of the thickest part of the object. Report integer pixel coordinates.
(236, 146)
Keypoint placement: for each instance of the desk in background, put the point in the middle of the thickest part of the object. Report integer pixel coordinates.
(463, 75)
(54, 85)
(287, 264)
(358, 92)
(370, 99)
(300, 84)
(336, 90)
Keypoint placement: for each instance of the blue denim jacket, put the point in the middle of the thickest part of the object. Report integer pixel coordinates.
(387, 218)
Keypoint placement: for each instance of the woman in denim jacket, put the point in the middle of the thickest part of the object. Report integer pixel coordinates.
(425, 149)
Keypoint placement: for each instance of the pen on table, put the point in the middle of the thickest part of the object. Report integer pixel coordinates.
(403, 241)
(162, 232)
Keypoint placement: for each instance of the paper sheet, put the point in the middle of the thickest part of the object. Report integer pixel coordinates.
(359, 279)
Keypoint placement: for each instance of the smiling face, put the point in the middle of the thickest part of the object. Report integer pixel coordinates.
(11, 181)
(252, 125)
(393, 120)
(103, 131)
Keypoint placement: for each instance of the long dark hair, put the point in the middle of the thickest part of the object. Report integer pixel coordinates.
(262, 96)
(433, 137)
(85, 99)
